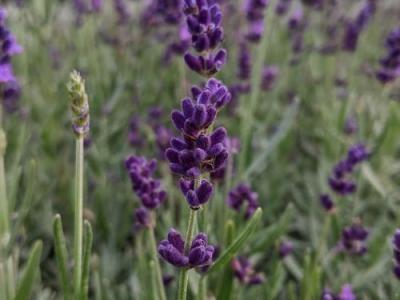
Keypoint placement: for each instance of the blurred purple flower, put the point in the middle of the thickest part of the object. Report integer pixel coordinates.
(269, 75)
(354, 239)
(243, 195)
(147, 188)
(396, 253)
(245, 273)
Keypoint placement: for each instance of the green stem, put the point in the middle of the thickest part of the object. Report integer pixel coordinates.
(184, 276)
(78, 216)
(4, 213)
(249, 107)
(157, 269)
(4, 225)
(322, 240)
(202, 295)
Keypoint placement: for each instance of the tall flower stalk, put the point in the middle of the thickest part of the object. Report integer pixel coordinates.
(199, 149)
(152, 195)
(80, 110)
(83, 236)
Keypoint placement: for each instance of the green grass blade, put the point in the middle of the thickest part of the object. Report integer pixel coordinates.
(87, 249)
(61, 255)
(28, 277)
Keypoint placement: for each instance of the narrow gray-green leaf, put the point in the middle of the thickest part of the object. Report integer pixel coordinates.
(231, 251)
(61, 255)
(30, 272)
(87, 249)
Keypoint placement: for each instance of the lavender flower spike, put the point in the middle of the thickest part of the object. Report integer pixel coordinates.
(354, 238)
(200, 253)
(245, 272)
(243, 195)
(79, 104)
(147, 188)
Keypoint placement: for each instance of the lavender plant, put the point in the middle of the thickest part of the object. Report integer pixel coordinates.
(297, 100)
(83, 235)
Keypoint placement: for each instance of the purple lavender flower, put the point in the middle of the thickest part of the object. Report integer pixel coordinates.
(135, 138)
(354, 239)
(10, 47)
(350, 125)
(172, 250)
(147, 188)
(243, 195)
(245, 273)
(204, 19)
(142, 218)
(285, 249)
(244, 62)
(390, 63)
(121, 9)
(346, 293)
(282, 7)
(232, 145)
(269, 75)
(198, 150)
(355, 27)
(171, 10)
(327, 202)
(339, 180)
(254, 10)
(396, 253)
(196, 196)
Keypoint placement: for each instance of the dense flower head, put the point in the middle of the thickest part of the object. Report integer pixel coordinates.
(282, 7)
(243, 195)
(200, 253)
(245, 273)
(390, 63)
(232, 145)
(339, 180)
(171, 10)
(10, 88)
(327, 202)
(285, 249)
(142, 218)
(244, 62)
(355, 27)
(204, 18)
(346, 293)
(147, 188)
(79, 104)
(254, 10)
(199, 150)
(196, 196)
(122, 11)
(396, 253)
(354, 239)
(269, 75)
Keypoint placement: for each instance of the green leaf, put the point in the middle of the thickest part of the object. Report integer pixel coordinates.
(267, 237)
(231, 251)
(32, 268)
(61, 255)
(87, 249)
(225, 284)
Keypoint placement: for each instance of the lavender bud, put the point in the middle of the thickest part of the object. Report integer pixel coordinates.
(79, 104)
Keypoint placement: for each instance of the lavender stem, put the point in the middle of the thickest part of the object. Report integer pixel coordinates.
(184, 276)
(157, 269)
(78, 215)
